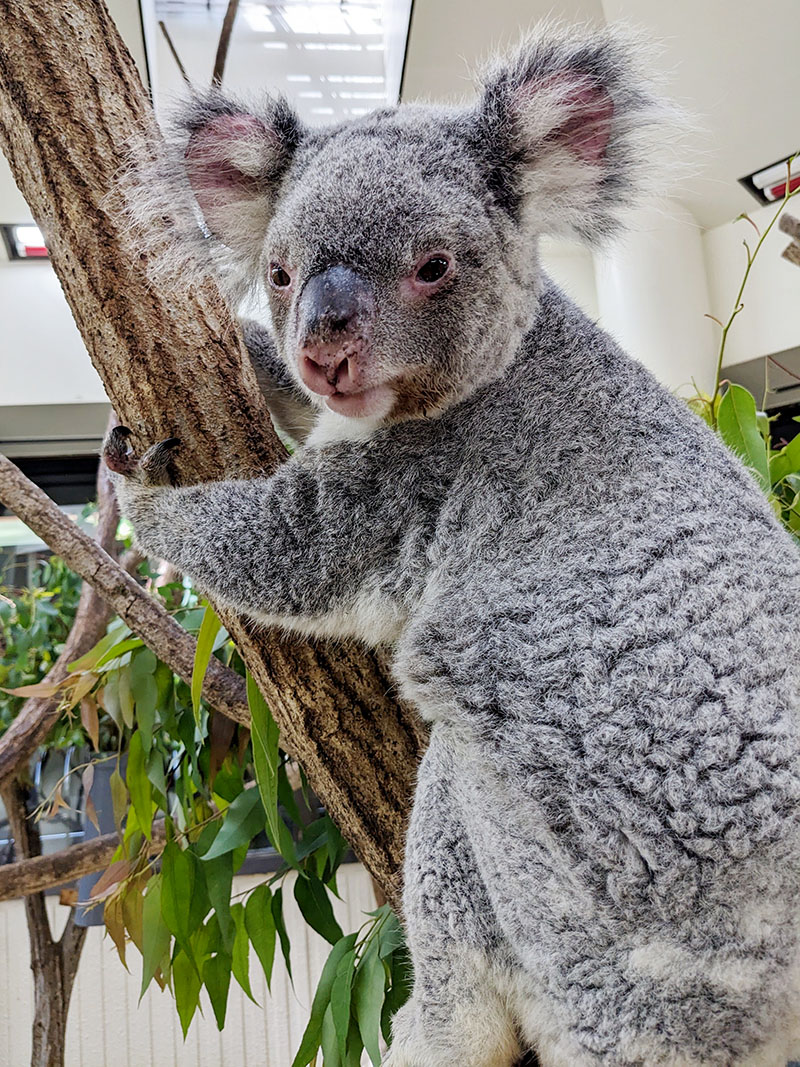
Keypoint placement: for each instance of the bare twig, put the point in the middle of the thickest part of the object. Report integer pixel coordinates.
(28, 876)
(223, 688)
(224, 42)
(162, 26)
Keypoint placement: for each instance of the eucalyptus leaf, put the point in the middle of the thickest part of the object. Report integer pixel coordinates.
(260, 925)
(186, 985)
(217, 980)
(368, 995)
(738, 426)
(139, 784)
(205, 645)
(243, 820)
(241, 951)
(155, 935)
(315, 904)
(321, 1003)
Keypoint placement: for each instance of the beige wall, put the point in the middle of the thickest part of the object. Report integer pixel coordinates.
(107, 1027)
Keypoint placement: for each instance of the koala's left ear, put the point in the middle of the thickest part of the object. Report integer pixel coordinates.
(564, 129)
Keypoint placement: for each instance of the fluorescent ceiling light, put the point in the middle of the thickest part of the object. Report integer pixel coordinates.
(356, 79)
(256, 17)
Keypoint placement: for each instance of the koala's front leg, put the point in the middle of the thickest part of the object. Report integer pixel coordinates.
(291, 409)
(277, 548)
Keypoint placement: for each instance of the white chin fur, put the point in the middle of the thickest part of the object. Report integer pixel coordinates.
(330, 428)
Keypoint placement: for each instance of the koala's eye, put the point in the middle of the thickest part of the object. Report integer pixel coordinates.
(279, 277)
(433, 269)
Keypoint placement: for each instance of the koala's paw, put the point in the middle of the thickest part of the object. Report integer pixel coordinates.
(153, 469)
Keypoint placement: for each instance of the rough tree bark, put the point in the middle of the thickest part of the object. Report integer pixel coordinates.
(71, 104)
(68, 865)
(54, 963)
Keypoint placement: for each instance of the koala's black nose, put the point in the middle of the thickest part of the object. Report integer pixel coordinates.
(334, 302)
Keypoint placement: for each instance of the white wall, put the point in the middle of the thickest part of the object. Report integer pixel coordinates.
(653, 296)
(770, 320)
(107, 1025)
(571, 267)
(42, 357)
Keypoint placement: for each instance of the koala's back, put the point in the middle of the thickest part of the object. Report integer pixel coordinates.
(611, 657)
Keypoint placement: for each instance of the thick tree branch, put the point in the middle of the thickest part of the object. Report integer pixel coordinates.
(172, 362)
(53, 963)
(34, 875)
(223, 688)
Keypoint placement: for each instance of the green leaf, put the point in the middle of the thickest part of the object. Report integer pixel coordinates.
(243, 820)
(315, 904)
(330, 1043)
(399, 990)
(219, 879)
(155, 935)
(145, 694)
(217, 978)
(126, 697)
(119, 650)
(139, 784)
(785, 462)
(177, 891)
(240, 957)
(89, 660)
(265, 736)
(205, 646)
(119, 798)
(313, 1032)
(368, 994)
(260, 926)
(391, 934)
(186, 984)
(340, 1000)
(738, 428)
(276, 905)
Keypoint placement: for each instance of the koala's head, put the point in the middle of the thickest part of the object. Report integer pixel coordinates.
(399, 250)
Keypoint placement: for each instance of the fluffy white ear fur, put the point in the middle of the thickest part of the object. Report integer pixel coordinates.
(231, 162)
(578, 119)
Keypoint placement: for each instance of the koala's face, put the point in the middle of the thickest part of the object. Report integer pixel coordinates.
(399, 250)
(396, 282)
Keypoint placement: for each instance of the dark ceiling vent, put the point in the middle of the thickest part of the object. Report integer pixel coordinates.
(769, 183)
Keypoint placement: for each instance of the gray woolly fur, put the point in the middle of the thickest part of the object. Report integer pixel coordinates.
(586, 595)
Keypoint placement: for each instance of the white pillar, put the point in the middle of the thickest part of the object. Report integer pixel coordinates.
(652, 295)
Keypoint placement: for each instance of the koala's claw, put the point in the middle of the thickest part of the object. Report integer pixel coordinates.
(152, 469)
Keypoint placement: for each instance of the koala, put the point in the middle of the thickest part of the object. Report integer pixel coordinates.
(584, 593)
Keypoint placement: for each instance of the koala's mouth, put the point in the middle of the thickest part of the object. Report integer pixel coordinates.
(335, 372)
(377, 400)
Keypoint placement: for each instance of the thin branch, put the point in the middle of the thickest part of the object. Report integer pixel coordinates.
(223, 688)
(38, 715)
(224, 42)
(43, 872)
(162, 26)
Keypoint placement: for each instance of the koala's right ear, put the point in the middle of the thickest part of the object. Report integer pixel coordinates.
(235, 159)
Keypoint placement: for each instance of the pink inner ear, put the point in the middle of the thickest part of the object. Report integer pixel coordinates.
(588, 131)
(209, 152)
